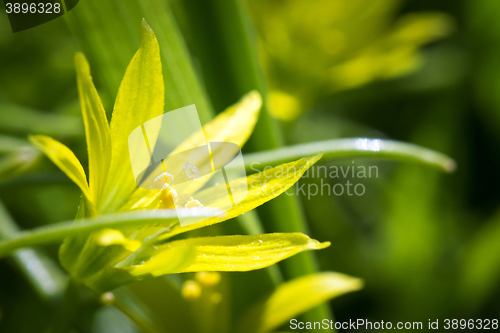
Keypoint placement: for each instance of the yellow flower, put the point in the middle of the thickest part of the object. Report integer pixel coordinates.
(109, 258)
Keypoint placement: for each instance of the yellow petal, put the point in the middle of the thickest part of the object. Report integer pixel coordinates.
(227, 253)
(96, 128)
(234, 125)
(140, 98)
(282, 305)
(204, 254)
(64, 158)
(262, 187)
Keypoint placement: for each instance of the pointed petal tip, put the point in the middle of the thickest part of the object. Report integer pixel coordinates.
(146, 28)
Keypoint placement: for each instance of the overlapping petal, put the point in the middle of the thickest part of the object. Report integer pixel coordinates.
(262, 187)
(140, 98)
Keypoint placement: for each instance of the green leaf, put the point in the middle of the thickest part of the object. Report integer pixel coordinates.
(140, 98)
(358, 147)
(56, 232)
(64, 158)
(292, 298)
(96, 128)
(262, 187)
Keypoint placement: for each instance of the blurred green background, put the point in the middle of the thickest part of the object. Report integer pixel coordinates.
(426, 243)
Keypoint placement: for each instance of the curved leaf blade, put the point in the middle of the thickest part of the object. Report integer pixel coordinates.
(357, 147)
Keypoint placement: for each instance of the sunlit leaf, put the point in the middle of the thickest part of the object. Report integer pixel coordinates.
(65, 159)
(140, 98)
(96, 128)
(292, 298)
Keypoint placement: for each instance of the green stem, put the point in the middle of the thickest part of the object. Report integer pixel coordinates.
(356, 147)
(59, 231)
